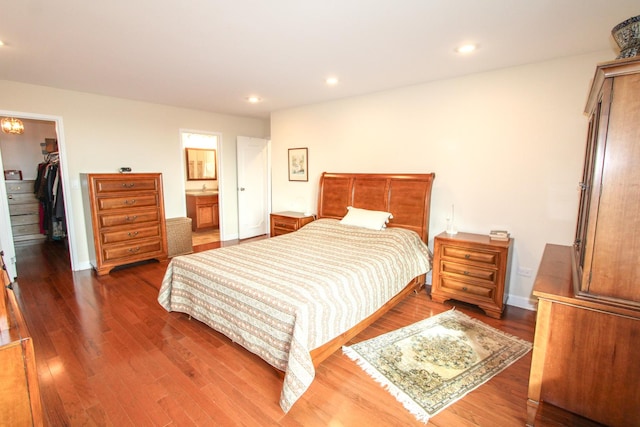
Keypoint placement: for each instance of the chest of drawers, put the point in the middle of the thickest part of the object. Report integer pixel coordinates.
(471, 268)
(125, 219)
(286, 222)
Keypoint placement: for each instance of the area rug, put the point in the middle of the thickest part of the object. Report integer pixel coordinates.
(431, 364)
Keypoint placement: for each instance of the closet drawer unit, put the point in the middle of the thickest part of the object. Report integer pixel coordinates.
(119, 235)
(25, 219)
(24, 209)
(20, 187)
(129, 218)
(20, 198)
(126, 217)
(471, 268)
(128, 202)
(20, 230)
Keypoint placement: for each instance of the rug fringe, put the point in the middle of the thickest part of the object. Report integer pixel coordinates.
(408, 403)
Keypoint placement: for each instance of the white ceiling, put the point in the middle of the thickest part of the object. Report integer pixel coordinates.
(212, 54)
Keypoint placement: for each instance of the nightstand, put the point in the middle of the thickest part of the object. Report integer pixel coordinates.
(471, 268)
(286, 222)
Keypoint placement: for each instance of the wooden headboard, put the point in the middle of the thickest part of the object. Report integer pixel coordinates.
(406, 196)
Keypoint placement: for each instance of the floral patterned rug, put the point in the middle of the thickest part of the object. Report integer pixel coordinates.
(431, 364)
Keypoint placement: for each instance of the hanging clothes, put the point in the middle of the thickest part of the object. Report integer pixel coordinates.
(48, 189)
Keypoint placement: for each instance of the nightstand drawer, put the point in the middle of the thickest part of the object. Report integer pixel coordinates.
(288, 224)
(461, 288)
(467, 254)
(468, 271)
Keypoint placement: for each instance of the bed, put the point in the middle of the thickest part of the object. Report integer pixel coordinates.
(295, 299)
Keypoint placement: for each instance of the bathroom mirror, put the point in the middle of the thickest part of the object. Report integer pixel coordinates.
(201, 164)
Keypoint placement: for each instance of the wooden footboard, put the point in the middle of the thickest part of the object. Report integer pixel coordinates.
(318, 355)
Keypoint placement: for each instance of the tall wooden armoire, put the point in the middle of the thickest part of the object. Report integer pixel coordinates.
(585, 357)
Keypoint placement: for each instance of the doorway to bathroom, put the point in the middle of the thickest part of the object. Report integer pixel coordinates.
(202, 183)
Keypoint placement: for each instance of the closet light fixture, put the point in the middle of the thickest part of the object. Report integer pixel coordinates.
(11, 125)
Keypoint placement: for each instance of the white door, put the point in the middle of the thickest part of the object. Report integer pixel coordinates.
(253, 186)
(6, 238)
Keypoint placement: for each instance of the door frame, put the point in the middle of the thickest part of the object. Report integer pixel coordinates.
(219, 169)
(6, 237)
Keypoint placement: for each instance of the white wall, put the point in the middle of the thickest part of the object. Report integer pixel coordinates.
(101, 134)
(506, 146)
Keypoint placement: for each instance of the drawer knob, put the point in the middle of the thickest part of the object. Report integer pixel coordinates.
(134, 250)
(134, 234)
(467, 256)
(130, 218)
(128, 185)
(130, 202)
(466, 273)
(464, 288)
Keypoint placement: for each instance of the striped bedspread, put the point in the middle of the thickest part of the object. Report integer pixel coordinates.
(282, 297)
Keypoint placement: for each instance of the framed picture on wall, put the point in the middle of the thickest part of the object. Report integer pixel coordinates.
(298, 164)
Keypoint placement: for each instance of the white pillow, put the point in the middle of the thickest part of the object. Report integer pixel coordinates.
(374, 220)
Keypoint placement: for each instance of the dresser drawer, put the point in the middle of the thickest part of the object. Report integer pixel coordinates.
(461, 288)
(130, 234)
(137, 217)
(134, 201)
(143, 249)
(106, 185)
(468, 254)
(468, 271)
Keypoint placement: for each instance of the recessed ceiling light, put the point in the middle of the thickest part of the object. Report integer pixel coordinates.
(466, 48)
(332, 81)
(254, 99)
(1, 43)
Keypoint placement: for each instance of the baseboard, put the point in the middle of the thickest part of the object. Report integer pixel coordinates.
(82, 266)
(526, 303)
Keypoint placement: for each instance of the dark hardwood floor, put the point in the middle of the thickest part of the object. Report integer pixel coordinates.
(108, 354)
